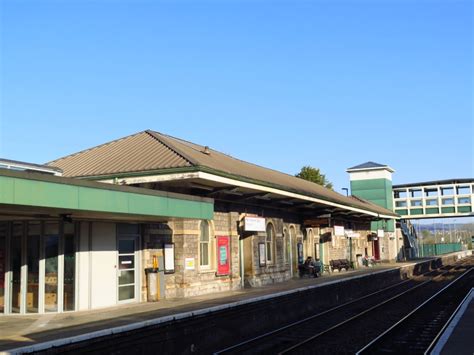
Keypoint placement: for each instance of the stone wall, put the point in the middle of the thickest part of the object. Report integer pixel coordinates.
(185, 234)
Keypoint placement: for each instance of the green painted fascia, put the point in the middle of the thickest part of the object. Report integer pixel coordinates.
(464, 209)
(221, 174)
(432, 210)
(53, 192)
(448, 210)
(416, 211)
(403, 212)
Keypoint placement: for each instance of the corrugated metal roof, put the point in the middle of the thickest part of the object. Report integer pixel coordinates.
(150, 150)
(236, 167)
(138, 152)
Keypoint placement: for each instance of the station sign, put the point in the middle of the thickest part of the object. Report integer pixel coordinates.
(254, 224)
(339, 231)
(351, 234)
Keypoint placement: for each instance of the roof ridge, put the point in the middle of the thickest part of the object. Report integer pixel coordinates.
(159, 137)
(95, 147)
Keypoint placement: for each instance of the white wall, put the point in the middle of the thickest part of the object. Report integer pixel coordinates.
(103, 265)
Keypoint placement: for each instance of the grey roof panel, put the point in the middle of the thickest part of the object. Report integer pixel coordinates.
(150, 150)
(368, 165)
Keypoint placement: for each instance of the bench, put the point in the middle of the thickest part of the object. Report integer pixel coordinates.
(339, 264)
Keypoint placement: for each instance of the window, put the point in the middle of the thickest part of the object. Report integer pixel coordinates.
(448, 201)
(269, 239)
(204, 245)
(431, 202)
(464, 190)
(415, 203)
(400, 203)
(462, 200)
(415, 193)
(286, 246)
(400, 194)
(431, 192)
(447, 191)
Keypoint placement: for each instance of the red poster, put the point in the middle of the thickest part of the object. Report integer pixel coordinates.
(223, 256)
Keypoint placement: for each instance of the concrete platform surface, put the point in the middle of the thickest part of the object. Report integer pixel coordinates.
(36, 332)
(457, 338)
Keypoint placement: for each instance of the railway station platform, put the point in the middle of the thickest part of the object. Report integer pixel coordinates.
(28, 333)
(457, 338)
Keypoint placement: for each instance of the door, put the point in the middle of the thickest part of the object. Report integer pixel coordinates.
(126, 270)
(376, 249)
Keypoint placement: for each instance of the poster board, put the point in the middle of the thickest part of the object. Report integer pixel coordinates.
(300, 253)
(168, 252)
(223, 256)
(262, 257)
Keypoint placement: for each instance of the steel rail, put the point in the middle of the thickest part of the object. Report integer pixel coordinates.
(307, 340)
(413, 312)
(301, 321)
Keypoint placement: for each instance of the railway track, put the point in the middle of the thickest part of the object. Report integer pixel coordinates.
(349, 326)
(418, 332)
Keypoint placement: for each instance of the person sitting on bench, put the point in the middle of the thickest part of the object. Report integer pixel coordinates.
(311, 267)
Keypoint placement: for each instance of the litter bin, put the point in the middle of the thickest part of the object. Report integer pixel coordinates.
(152, 278)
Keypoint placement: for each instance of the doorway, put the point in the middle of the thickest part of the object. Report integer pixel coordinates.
(376, 249)
(127, 246)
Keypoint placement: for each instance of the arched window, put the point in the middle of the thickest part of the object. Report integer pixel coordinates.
(204, 245)
(269, 240)
(286, 246)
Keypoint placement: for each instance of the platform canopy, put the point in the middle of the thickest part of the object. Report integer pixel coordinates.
(35, 195)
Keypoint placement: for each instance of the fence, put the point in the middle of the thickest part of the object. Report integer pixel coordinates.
(438, 249)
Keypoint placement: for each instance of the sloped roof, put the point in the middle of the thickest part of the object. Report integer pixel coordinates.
(368, 165)
(150, 150)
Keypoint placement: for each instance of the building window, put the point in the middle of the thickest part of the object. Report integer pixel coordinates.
(448, 201)
(286, 246)
(431, 202)
(204, 245)
(400, 193)
(463, 200)
(447, 191)
(401, 203)
(464, 190)
(415, 193)
(269, 241)
(415, 203)
(431, 192)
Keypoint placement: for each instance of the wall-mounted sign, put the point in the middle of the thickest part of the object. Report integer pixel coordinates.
(223, 261)
(380, 233)
(254, 224)
(351, 234)
(189, 263)
(339, 231)
(300, 253)
(318, 222)
(168, 251)
(262, 257)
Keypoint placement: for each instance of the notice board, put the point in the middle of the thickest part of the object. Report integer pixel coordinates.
(223, 255)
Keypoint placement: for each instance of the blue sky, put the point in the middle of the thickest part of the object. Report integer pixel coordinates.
(279, 83)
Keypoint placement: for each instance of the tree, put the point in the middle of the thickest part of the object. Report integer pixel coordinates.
(314, 175)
